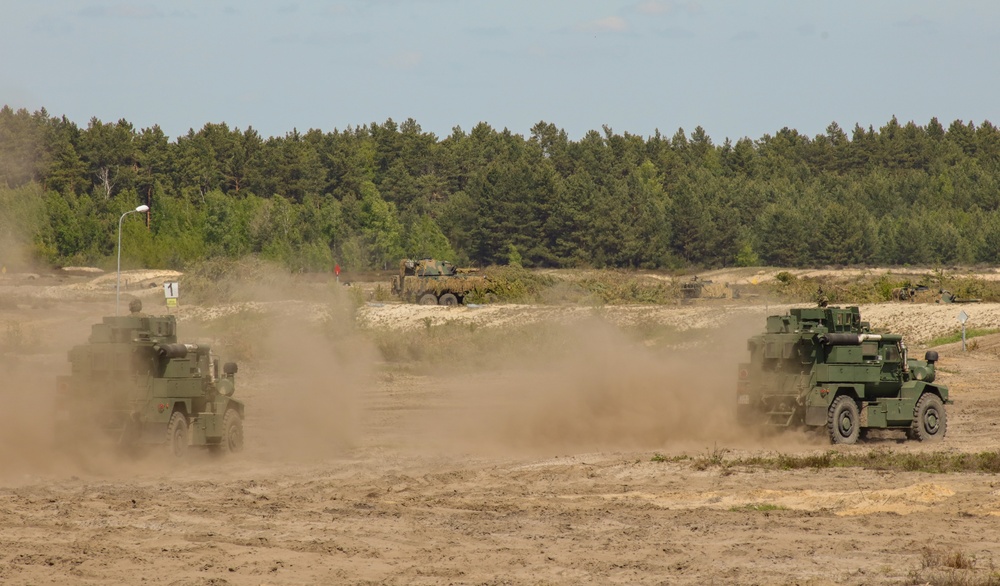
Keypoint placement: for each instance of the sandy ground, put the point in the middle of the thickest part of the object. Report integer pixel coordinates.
(542, 472)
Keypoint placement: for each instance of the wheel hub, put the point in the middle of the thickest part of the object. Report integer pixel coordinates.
(931, 421)
(846, 424)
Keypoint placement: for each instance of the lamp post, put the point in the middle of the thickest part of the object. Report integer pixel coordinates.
(118, 283)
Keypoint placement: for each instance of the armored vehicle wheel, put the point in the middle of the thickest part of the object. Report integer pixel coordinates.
(930, 422)
(177, 436)
(428, 299)
(843, 420)
(232, 432)
(448, 299)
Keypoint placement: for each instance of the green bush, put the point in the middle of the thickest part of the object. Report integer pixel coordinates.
(511, 284)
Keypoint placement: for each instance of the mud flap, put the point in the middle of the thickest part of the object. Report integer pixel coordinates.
(816, 415)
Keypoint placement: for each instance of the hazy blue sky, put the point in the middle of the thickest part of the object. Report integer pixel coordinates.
(737, 68)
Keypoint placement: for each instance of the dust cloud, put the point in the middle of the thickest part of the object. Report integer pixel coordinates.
(310, 388)
(25, 422)
(12, 254)
(597, 389)
(34, 341)
(306, 370)
(315, 386)
(303, 371)
(15, 208)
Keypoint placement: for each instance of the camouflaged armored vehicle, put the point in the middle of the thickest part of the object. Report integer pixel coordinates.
(706, 289)
(435, 282)
(823, 367)
(135, 383)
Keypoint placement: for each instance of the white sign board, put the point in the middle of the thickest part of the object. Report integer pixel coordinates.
(170, 290)
(963, 317)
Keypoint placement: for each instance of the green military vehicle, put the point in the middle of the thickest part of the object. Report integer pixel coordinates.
(435, 282)
(137, 384)
(824, 367)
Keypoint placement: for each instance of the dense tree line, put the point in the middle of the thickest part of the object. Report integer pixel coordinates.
(366, 196)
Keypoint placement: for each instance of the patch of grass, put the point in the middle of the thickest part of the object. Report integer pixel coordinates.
(716, 458)
(871, 288)
(658, 457)
(956, 560)
(838, 291)
(942, 567)
(878, 459)
(511, 284)
(973, 288)
(824, 460)
(381, 293)
(957, 336)
(952, 578)
(614, 287)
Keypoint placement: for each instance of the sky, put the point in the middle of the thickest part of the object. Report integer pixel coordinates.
(737, 68)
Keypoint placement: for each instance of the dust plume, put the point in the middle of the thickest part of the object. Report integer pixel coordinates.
(34, 341)
(25, 424)
(303, 368)
(20, 216)
(599, 390)
(308, 396)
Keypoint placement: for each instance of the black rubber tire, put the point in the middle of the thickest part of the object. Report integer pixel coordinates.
(843, 421)
(448, 299)
(177, 435)
(232, 432)
(428, 299)
(930, 420)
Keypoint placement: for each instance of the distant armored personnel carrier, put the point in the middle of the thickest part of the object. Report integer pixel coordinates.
(435, 282)
(706, 289)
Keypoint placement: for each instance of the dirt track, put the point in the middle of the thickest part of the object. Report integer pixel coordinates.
(542, 473)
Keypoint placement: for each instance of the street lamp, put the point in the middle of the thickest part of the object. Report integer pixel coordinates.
(118, 284)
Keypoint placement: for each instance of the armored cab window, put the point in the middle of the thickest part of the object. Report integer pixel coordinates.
(892, 354)
(788, 351)
(869, 350)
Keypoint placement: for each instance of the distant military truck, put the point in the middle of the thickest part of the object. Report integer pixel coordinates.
(435, 282)
(823, 367)
(135, 383)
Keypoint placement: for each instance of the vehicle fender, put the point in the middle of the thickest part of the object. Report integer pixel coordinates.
(183, 405)
(914, 389)
(818, 402)
(224, 403)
